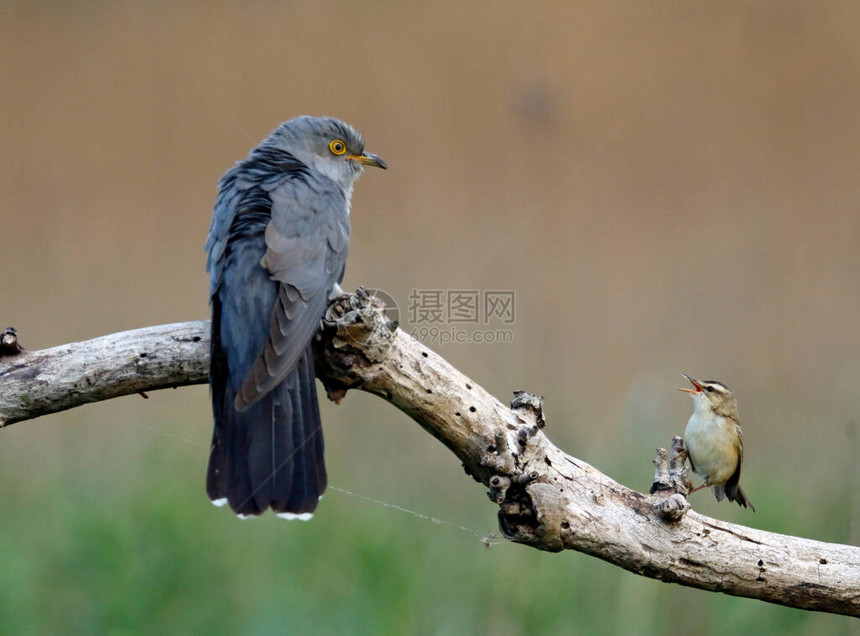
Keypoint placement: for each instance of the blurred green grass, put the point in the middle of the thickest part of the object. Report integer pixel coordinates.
(125, 542)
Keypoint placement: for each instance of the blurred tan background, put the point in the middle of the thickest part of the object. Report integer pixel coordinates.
(713, 231)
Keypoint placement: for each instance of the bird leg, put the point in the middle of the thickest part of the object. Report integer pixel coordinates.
(705, 485)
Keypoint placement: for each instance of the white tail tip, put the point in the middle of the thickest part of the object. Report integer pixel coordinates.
(292, 516)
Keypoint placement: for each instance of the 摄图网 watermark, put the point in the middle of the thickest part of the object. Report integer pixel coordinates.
(454, 316)
(461, 316)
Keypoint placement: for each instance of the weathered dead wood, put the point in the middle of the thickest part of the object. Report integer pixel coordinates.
(547, 499)
(35, 383)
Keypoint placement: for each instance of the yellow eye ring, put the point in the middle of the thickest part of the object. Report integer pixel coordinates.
(337, 147)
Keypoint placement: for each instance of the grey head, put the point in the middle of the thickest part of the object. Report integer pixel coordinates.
(710, 395)
(326, 145)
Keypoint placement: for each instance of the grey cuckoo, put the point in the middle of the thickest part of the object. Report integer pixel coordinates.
(277, 249)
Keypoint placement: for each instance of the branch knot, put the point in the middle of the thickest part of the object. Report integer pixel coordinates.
(9, 345)
(670, 476)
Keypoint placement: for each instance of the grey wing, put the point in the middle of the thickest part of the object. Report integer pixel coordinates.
(307, 240)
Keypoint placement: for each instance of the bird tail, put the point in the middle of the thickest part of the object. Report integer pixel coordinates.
(270, 454)
(733, 492)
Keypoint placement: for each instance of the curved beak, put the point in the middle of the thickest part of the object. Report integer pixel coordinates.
(369, 159)
(698, 386)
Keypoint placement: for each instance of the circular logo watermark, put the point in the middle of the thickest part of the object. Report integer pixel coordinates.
(392, 311)
(380, 298)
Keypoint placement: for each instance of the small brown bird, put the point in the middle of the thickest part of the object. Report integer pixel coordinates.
(715, 441)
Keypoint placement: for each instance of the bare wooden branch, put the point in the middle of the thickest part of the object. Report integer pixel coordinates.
(547, 499)
(34, 383)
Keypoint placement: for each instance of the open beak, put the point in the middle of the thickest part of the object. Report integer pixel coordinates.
(698, 386)
(369, 159)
